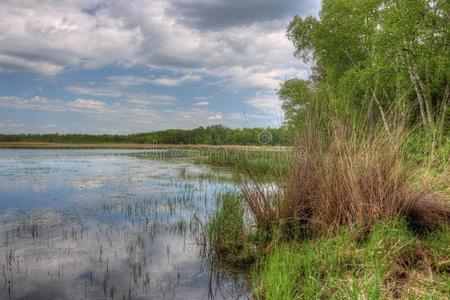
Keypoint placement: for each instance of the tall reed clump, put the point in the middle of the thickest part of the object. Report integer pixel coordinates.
(349, 176)
(346, 219)
(227, 233)
(358, 179)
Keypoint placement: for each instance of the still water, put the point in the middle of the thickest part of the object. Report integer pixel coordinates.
(105, 224)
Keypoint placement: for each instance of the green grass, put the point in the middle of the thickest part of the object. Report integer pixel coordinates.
(389, 262)
(262, 164)
(383, 259)
(375, 255)
(227, 233)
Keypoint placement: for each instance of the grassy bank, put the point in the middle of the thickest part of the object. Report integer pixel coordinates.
(357, 214)
(390, 261)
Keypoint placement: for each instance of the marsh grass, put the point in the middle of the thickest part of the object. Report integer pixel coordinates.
(354, 216)
(228, 234)
(265, 165)
(351, 180)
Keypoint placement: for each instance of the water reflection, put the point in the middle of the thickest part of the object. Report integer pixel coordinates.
(96, 224)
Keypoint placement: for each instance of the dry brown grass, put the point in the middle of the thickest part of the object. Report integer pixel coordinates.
(351, 180)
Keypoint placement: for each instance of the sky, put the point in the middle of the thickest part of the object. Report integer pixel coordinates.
(120, 67)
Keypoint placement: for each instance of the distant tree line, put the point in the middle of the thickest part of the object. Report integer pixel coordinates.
(211, 135)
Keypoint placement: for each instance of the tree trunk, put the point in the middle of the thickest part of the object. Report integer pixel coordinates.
(419, 97)
(426, 98)
(383, 115)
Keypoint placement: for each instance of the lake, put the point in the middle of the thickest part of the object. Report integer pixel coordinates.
(105, 224)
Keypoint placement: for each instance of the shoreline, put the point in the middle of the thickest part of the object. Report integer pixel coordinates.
(46, 145)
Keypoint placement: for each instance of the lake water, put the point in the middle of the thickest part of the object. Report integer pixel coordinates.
(104, 224)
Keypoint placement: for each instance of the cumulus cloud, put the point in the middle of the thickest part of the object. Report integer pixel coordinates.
(48, 36)
(223, 38)
(236, 45)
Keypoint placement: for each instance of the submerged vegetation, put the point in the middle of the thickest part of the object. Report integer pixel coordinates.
(362, 209)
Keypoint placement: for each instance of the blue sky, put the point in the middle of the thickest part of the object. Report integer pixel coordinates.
(135, 66)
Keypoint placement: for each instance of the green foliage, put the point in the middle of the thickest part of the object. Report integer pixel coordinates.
(211, 135)
(296, 95)
(373, 56)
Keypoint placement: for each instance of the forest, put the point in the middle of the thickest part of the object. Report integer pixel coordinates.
(211, 135)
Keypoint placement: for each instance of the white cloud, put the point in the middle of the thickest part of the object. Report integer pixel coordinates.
(167, 81)
(164, 81)
(110, 91)
(101, 117)
(95, 91)
(12, 62)
(246, 49)
(215, 117)
(87, 104)
(151, 99)
(48, 36)
(128, 80)
(52, 35)
(244, 117)
(201, 98)
(265, 103)
(202, 103)
(32, 103)
(11, 125)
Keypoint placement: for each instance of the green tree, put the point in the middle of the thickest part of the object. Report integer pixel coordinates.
(378, 54)
(296, 94)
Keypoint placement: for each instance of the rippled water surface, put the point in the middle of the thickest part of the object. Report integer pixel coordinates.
(104, 224)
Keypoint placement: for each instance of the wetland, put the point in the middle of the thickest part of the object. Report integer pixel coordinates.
(108, 224)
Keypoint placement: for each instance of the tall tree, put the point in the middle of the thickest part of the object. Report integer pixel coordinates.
(376, 54)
